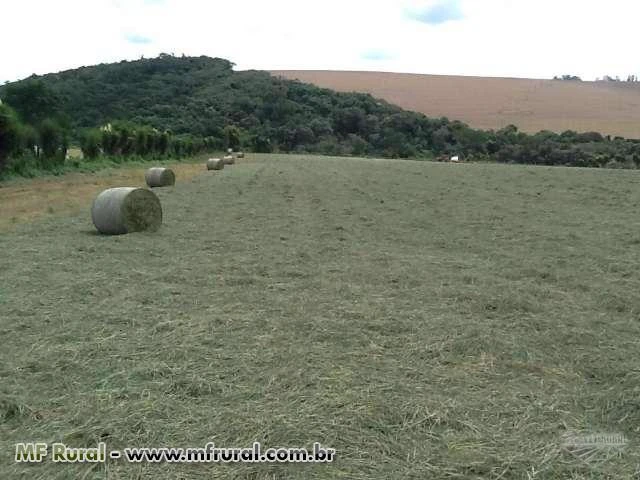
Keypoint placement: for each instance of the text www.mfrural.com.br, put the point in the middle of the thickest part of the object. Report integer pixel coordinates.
(36, 452)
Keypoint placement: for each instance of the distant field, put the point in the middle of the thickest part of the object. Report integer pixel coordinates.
(427, 320)
(533, 105)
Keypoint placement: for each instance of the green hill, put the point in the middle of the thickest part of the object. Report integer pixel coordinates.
(202, 95)
(206, 98)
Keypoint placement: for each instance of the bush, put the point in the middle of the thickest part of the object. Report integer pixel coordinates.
(231, 137)
(261, 144)
(358, 145)
(9, 134)
(109, 141)
(142, 142)
(52, 143)
(90, 144)
(29, 140)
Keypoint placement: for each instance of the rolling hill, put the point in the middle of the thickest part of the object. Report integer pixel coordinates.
(262, 112)
(612, 108)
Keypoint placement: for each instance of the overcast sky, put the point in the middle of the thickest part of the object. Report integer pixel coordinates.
(513, 38)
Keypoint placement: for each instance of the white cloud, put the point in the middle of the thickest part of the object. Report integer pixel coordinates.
(526, 38)
(438, 13)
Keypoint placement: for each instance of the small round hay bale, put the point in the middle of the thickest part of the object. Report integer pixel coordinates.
(229, 150)
(229, 160)
(126, 209)
(240, 155)
(160, 177)
(215, 164)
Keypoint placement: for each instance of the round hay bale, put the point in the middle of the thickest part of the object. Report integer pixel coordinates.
(229, 160)
(215, 164)
(229, 150)
(126, 209)
(240, 155)
(160, 177)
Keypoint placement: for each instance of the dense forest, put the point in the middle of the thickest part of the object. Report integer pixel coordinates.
(175, 106)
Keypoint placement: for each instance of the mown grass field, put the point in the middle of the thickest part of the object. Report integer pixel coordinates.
(23, 200)
(425, 320)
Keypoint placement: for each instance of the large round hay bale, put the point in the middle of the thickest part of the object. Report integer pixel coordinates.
(229, 150)
(229, 160)
(126, 209)
(240, 155)
(215, 164)
(160, 177)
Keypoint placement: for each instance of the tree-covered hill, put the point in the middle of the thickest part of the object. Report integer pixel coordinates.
(206, 98)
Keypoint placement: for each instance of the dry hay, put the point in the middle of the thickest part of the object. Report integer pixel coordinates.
(126, 209)
(240, 155)
(215, 164)
(160, 177)
(229, 160)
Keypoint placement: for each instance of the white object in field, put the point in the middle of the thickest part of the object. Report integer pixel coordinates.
(240, 155)
(229, 160)
(229, 150)
(215, 164)
(455, 159)
(126, 209)
(160, 177)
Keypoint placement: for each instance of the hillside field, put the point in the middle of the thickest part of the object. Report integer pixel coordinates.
(426, 320)
(610, 108)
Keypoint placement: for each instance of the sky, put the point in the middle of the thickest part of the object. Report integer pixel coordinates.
(498, 38)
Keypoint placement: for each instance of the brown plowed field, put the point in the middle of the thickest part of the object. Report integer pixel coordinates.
(533, 105)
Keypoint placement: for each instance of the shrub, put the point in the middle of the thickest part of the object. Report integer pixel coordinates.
(358, 145)
(52, 143)
(231, 137)
(9, 134)
(29, 140)
(90, 144)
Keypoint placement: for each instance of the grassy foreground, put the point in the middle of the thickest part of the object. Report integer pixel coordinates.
(426, 320)
(24, 200)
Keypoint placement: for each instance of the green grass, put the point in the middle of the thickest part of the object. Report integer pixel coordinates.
(30, 167)
(426, 320)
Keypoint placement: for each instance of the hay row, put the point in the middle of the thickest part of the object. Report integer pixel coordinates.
(121, 210)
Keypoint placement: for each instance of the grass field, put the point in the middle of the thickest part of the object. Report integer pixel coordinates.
(611, 108)
(426, 320)
(24, 200)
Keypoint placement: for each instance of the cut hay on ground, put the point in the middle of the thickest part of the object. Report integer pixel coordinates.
(215, 164)
(160, 177)
(126, 209)
(229, 160)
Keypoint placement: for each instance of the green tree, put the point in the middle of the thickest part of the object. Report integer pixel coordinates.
(163, 141)
(9, 134)
(29, 140)
(33, 100)
(109, 141)
(90, 144)
(231, 137)
(51, 140)
(142, 142)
